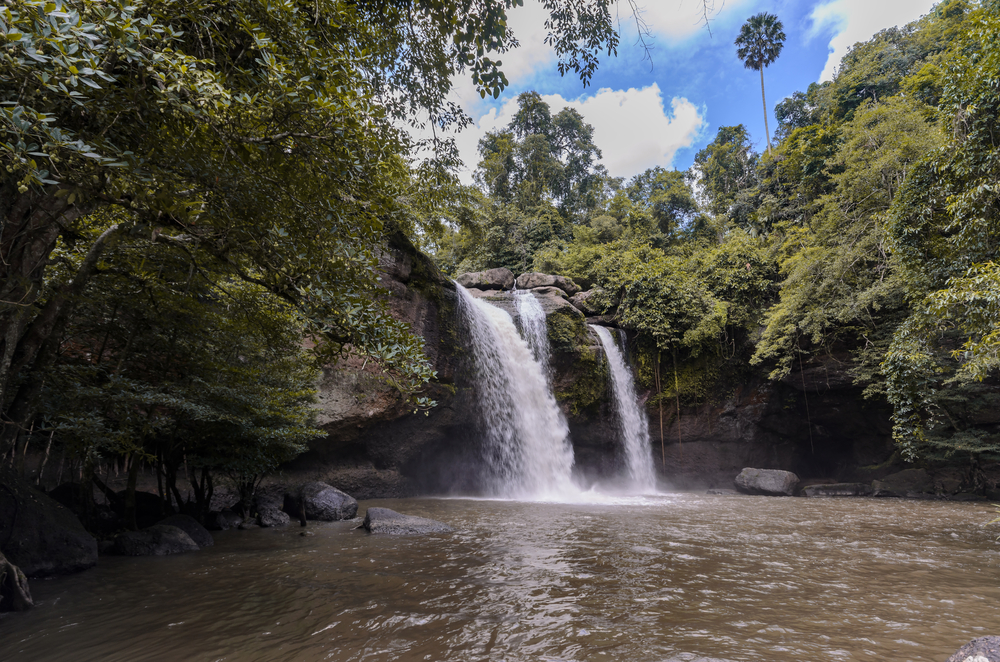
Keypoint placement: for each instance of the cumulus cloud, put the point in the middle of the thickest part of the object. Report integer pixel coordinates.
(858, 20)
(633, 128)
(678, 20)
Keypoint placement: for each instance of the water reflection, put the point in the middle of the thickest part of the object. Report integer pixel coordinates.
(672, 578)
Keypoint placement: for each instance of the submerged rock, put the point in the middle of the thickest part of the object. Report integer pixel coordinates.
(491, 279)
(383, 520)
(769, 482)
(322, 502)
(837, 490)
(192, 527)
(157, 540)
(40, 536)
(269, 516)
(983, 649)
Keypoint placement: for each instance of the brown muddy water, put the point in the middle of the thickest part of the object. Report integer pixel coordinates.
(674, 577)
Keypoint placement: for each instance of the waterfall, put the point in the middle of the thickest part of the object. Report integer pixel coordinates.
(632, 423)
(534, 328)
(526, 450)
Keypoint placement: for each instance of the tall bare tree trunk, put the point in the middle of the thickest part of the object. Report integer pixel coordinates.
(764, 101)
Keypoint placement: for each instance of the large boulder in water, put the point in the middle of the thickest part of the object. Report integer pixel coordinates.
(532, 280)
(14, 593)
(983, 649)
(769, 482)
(157, 540)
(383, 520)
(38, 535)
(192, 527)
(322, 502)
(906, 483)
(491, 279)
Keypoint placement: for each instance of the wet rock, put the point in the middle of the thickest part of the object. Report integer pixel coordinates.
(532, 280)
(192, 527)
(769, 482)
(223, 521)
(272, 517)
(38, 535)
(583, 302)
(837, 490)
(322, 502)
(14, 592)
(911, 483)
(983, 649)
(491, 279)
(383, 520)
(157, 540)
(248, 524)
(721, 492)
(967, 496)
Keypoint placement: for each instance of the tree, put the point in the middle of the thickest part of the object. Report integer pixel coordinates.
(258, 132)
(727, 170)
(759, 44)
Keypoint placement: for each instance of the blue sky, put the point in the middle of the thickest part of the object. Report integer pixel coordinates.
(662, 113)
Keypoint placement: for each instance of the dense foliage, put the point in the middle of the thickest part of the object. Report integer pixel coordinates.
(869, 233)
(190, 191)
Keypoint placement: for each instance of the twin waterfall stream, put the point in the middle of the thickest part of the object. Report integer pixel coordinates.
(527, 453)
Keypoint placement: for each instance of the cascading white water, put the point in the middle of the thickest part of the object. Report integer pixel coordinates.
(527, 449)
(535, 330)
(632, 424)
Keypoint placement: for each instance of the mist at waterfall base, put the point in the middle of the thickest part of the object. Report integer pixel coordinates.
(525, 452)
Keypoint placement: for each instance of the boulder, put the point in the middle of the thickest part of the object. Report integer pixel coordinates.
(38, 535)
(149, 508)
(268, 516)
(983, 649)
(532, 280)
(769, 482)
(906, 483)
(548, 291)
(157, 540)
(837, 490)
(14, 593)
(192, 527)
(383, 520)
(322, 502)
(223, 521)
(491, 279)
(582, 302)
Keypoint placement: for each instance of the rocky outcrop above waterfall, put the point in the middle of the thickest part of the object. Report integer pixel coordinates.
(533, 280)
(768, 482)
(491, 279)
(583, 301)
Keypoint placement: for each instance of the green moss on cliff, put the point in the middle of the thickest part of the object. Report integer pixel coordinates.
(587, 381)
(567, 330)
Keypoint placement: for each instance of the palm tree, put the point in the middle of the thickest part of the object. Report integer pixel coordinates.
(758, 45)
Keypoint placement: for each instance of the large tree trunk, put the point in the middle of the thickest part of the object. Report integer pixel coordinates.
(28, 335)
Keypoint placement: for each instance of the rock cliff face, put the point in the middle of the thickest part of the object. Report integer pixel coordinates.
(815, 424)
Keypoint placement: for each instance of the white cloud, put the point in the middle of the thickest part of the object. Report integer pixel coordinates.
(678, 20)
(859, 20)
(632, 127)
